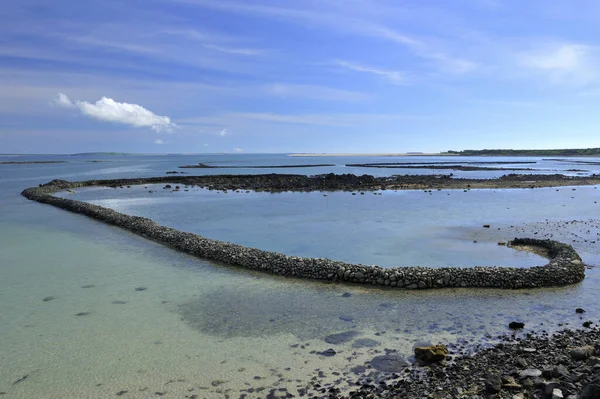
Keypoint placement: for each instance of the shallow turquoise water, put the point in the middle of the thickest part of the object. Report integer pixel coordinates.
(217, 328)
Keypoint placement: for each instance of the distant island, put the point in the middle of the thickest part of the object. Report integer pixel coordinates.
(99, 153)
(28, 162)
(568, 152)
(572, 152)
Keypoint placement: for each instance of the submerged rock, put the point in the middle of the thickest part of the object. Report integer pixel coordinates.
(328, 352)
(391, 363)
(365, 343)
(341, 338)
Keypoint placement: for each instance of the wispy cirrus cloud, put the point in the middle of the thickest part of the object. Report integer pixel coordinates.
(244, 119)
(394, 77)
(314, 92)
(347, 21)
(237, 51)
(108, 110)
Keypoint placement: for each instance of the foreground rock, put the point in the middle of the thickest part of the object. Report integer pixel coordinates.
(503, 371)
(431, 354)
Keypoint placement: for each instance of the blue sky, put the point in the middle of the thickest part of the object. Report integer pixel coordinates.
(298, 76)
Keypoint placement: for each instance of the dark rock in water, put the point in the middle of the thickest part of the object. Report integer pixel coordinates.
(430, 354)
(119, 302)
(493, 384)
(591, 390)
(49, 298)
(487, 226)
(391, 363)
(20, 379)
(588, 324)
(346, 295)
(515, 325)
(358, 369)
(328, 352)
(88, 286)
(141, 289)
(365, 343)
(82, 314)
(579, 310)
(340, 338)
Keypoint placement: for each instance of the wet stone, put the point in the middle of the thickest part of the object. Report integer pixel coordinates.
(365, 343)
(49, 298)
(359, 370)
(340, 338)
(328, 352)
(515, 325)
(391, 363)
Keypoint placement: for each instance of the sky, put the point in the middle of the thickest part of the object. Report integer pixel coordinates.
(277, 76)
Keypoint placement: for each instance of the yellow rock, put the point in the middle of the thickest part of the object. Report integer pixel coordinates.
(435, 353)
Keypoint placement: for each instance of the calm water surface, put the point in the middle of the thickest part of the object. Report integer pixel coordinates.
(206, 329)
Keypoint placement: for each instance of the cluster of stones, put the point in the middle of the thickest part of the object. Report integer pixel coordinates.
(562, 366)
(565, 266)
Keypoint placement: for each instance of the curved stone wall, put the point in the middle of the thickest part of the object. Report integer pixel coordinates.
(565, 266)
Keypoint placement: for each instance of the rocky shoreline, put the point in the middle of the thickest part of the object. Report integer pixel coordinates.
(464, 168)
(565, 266)
(562, 365)
(348, 182)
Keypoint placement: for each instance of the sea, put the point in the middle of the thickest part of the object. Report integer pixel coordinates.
(88, 310)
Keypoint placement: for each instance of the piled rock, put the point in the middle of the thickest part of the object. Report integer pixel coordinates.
(565, 266)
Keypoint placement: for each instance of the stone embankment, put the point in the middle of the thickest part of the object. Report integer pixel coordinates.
(565, 265)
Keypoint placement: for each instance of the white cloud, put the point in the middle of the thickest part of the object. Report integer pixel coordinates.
(395, 77)
(159, 141)
(223, 132)
(564, 63)
(64, 101)
(238, 150)
(108, 110)
(564, 57)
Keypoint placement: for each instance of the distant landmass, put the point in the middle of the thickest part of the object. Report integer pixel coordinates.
(99, 153)
(569, 152)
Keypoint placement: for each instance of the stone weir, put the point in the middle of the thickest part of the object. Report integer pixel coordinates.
(565, 266)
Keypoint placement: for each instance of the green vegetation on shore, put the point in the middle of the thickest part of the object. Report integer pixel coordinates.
(587, 152)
